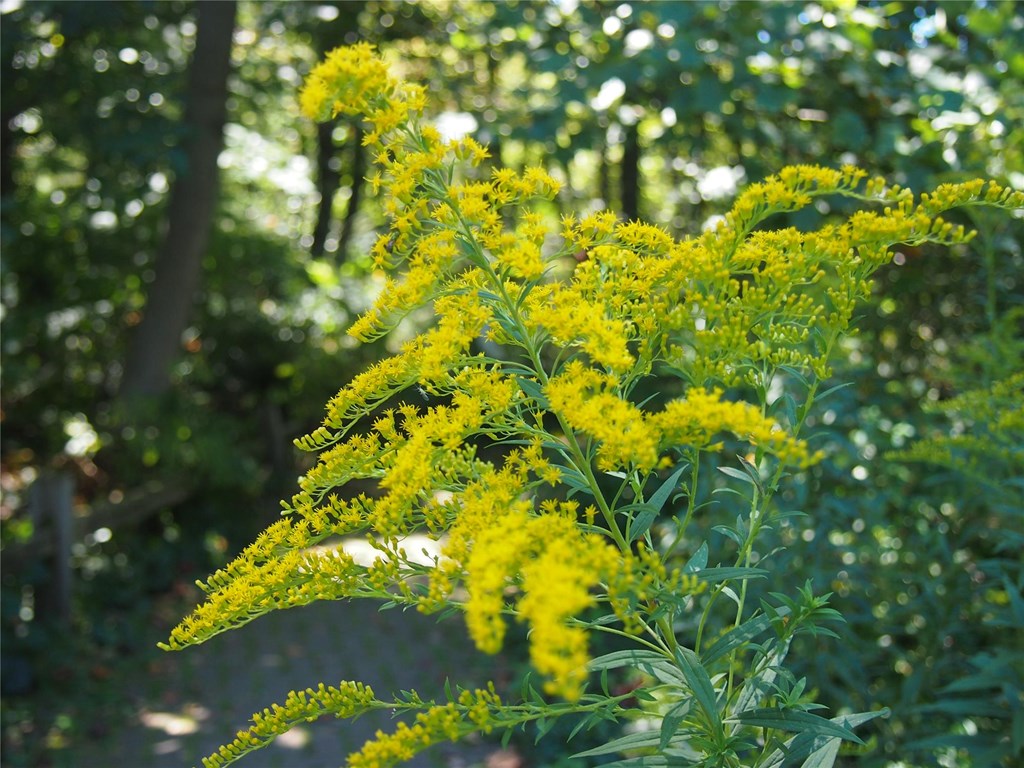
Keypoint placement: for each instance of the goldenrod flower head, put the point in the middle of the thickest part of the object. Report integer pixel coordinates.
(588, 402)
(558, 568)
(346, 82)
(348, 699)
(472, 711)
(694, 422)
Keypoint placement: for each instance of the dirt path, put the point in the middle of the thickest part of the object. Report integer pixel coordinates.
(195, 700)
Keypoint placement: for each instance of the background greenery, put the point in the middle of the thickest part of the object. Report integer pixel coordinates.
(656, 109)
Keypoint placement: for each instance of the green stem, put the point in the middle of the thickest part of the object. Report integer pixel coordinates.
(668, 631)
(756, 517)
(663, 649)
(744, 553)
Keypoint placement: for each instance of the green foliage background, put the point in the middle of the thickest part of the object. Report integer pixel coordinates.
(658, 109)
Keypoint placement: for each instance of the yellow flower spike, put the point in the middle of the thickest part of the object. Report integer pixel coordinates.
(348, 699)
(696, 420)
(346, 82)
(583, 397)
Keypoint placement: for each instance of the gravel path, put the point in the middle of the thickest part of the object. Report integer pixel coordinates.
(196, 699)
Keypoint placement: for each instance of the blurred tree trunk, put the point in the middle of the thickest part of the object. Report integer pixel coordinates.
(157, 340)
(327, 181)
(7, 145)
(604, 180)
(15, 100)
(494, 138)
(344, 30)
(357, 167)
(630, 179)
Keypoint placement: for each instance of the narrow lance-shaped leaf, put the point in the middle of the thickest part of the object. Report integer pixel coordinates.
(794, 720)
(700, 684)
(804, 744)
(757, 686)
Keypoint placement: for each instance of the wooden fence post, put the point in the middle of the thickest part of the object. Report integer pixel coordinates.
(53, 496)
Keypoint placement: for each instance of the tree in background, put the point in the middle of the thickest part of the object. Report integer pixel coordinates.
(157, 339)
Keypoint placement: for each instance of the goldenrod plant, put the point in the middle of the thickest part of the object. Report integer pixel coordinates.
(603, 362)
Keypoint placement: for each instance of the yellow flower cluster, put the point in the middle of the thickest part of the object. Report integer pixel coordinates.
(643, 579)
(536, 564)
(279, 570)
(695, 421)
(568, 318)
(587, 400)
(346, 82)
(629, 437)
(447, 722)
(792, 189)
(430, 208)
(558, 567)
(347, 700)
(557, 585)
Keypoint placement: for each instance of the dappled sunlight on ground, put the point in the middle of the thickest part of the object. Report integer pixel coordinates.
(175, 723)
(195, 700)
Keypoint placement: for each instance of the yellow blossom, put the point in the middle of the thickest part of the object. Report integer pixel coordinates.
(695, 421)
(345, 82)
(584, 397)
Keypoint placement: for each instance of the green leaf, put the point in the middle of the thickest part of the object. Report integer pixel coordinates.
(544, 726)
(618, 659)
(660, 496)
(595, 717)
(752, 473)
(670, 723)
(796, 373)
(508, 327)
(804, 744)
(737, 474)
(642, 740)
(800, 722)
(732, 533)
(824, 757)
(786, 405)
(532, 390)
(757, 686)
(731, 594)
(737, 637)
(699, 561)
(646, 761)
(650, 662)
(641, 524)
(730, 490)
(700, 684)
(575, 480)
(832, 390)
(674, 758)
(714, 575)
